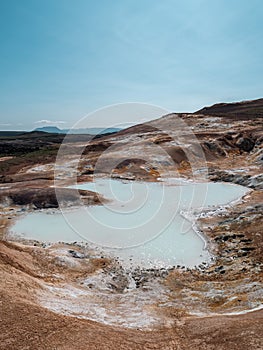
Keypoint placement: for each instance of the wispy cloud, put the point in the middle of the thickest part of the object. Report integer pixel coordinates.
(49, 122)
(6, 124)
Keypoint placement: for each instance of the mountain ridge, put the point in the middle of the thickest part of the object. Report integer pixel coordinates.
(90, 131)
(243, 109)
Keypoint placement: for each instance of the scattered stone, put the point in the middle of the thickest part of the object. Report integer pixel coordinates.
(76, 254)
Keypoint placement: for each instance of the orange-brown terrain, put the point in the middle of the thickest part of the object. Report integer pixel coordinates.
(67, 296)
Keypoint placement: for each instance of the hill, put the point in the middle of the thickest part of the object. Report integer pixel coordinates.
(242, 110)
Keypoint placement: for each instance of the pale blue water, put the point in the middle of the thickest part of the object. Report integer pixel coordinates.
(143, 221)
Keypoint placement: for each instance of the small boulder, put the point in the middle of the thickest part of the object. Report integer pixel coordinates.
(245, 144)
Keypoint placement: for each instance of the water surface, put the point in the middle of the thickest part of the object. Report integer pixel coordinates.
(142, 224)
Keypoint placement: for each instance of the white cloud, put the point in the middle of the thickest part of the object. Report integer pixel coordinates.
(49, 122)
(5, 124)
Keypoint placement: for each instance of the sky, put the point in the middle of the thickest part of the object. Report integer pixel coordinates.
(62, 59)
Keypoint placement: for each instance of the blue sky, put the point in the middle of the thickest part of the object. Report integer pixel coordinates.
(61, 59)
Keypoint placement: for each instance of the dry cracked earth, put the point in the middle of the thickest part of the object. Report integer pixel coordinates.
(72, 296)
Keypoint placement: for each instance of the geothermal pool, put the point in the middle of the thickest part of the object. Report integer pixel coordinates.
(145, 224)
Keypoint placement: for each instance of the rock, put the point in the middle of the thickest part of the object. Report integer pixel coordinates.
(248, 249)
(245, 144)
(76, 254)
(225, 238)
(44, 198)
(213, 148)
(255, 182)
(247, 241)
(219, 268)
(119, 283)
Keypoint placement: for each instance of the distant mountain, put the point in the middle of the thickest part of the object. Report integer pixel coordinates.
(90, 131)
(94, 131)
(50, 129)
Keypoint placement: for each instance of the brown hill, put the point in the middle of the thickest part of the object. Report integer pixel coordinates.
(241, 110)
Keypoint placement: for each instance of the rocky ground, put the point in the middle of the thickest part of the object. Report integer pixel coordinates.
(72, 297)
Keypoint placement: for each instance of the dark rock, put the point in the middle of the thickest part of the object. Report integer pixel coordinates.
(255, 181)
(225, 238)
(245, 144)
(240, 235)
(246, 241)
(44, 198)
(219, 268)
(76, 254)
(248, 249)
